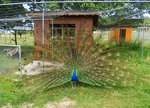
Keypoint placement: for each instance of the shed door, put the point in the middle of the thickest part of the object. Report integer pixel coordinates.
(122, 35)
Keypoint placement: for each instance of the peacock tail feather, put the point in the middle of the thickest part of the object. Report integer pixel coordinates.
(85, 60)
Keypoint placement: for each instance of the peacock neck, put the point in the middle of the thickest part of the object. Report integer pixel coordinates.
(74, 74)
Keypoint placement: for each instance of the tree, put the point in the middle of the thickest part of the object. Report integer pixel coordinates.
(11, 11)
(15, 35)
(110, 13)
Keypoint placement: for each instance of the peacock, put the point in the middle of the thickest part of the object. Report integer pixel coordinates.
(85, 60)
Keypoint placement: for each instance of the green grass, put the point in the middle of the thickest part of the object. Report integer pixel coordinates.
(8, 64)
(85, 95)
(9, 92)
(26, 39)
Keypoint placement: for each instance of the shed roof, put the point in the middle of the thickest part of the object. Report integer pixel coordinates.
(64, 13)
(54, 14)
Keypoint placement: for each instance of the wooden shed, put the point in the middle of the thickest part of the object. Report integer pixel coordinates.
(73, 25)
(121, 34)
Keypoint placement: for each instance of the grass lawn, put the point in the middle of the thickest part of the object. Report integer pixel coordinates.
(85, 96)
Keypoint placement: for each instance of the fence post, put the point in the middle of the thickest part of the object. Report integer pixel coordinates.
(142, 54)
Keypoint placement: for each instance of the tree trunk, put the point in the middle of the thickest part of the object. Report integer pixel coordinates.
(15, 37)
(20, 36)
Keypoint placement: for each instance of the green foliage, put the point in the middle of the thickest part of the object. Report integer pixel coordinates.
(11, 11)
(147, 21)
(5, 1)
(52, 6)
(111, 13)
(131, 45)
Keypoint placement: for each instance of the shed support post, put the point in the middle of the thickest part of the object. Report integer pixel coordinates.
(43, 35)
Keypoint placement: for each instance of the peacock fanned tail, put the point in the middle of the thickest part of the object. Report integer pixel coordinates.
(84, 60)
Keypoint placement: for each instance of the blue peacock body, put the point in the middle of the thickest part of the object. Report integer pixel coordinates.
(74, 75)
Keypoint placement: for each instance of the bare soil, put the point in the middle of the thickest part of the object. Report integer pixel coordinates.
(64, 103)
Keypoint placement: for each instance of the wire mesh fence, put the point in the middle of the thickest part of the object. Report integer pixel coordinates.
(63, 43)
(50, 48)
(10, 58)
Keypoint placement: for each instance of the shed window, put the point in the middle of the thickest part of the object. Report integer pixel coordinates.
(62, 30)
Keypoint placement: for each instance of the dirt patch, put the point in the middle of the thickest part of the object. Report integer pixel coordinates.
(64, 103)
(25, 105)
(7, 106)
(38, 67)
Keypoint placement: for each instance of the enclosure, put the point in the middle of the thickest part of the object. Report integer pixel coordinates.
(78, 54)
(121, 34)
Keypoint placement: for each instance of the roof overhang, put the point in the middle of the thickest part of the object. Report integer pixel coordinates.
(54, 14)
(63, 13)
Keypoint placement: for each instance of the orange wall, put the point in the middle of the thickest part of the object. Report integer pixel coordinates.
(128, 34)
(115, 34)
